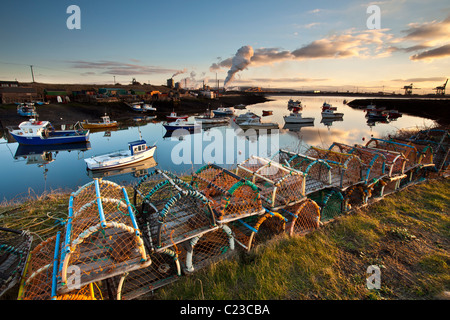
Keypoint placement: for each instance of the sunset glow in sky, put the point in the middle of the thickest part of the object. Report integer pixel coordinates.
(278, 44)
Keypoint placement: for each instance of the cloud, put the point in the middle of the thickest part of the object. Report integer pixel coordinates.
(440, 52)
(420, 79)
(119, 68)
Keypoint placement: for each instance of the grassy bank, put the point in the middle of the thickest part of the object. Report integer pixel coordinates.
(406, 234)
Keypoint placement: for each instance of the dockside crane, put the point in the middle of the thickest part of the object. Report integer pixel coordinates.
(440, 90)
(409, 89)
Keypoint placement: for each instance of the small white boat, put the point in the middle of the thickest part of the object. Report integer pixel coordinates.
(208, 118)
(329, 113)
(257, 124)
(245, 117)
(240, 106)
(222, 111)
(173, 116)
(181, 124)
(137, 151)
(297, 118)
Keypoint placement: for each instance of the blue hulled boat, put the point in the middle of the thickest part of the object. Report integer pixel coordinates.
(34, 132)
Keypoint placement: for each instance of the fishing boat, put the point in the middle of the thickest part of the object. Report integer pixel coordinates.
(297, 118)
(147, 107)
(327, 106)
(141, 106)
(377, 115)
(394, 114)
(294, 104)
(34, 132)
(267, 112)
(246, 116)
(173, 116)
(240, 106)
(105, 123)
(222, 111)
(26, 109)
(329, 113)
(137, 151)
(181, 124)
(257, 124)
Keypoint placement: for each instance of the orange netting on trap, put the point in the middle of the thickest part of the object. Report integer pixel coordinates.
(165, 269)
(15, 247)
(318, 172)
(231, 196)
(203, 250)
(302, 217)
(279, 186)
(346, 169)
(102, 238)
(425, 151)
(408, 151)
(251, 231)
(439, 140)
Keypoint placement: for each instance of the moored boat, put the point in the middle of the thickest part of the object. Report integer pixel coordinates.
(257, 124)
(329, 113)
(105, 123)
(173, 116)
(327, 106)
(181, 124)
(43, 133)
(137, 151)
(267, 112)
(223, 111)
(298, 118)
(27, 109)
(240, 106)
(245, 117)
(294, 104)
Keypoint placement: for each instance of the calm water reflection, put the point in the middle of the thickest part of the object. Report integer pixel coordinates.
(32, 171)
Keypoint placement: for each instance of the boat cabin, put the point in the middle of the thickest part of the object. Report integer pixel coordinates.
(137, 146)
(34, 128)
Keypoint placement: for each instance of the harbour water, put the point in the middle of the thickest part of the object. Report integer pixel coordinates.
(32, 171)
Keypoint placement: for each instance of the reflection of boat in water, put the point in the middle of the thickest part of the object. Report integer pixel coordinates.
(137, 170)
(137, 151)
(372, 123)
(208, 118)
(258, 125)
(329, 121)
(42, 133)
(44, 154)
(296, 127)
(329, 113)
(297, 118)
(141, 106)
(394, 114)
(105, 123)
(295, 104)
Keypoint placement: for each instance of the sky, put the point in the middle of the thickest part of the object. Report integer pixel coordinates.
(303, 45)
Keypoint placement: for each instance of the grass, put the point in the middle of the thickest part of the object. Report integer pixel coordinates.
(406, 235)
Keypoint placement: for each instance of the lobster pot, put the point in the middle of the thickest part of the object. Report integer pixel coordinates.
(251, 231)
(185, 216)
(331, 202)
(230, 196)
(152, 193)
(356, 195)
(346, 169)
(40, 280)
(102, 238)
(318, 172)
(207, 248)
(392, 185)
(157, 187)
(373, 163)
(15, 247)
(302, 217)
(165, 269)
(408, 151)
(280, 186)
(439, 140)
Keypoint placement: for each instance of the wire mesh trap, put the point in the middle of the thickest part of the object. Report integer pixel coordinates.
(231, 197)
(346, 169)
(331, 202)
(318, 172)
(439, 140)
(101, 238)
(251, 231)
(15, 246)
(301, 217)
(279, 186)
